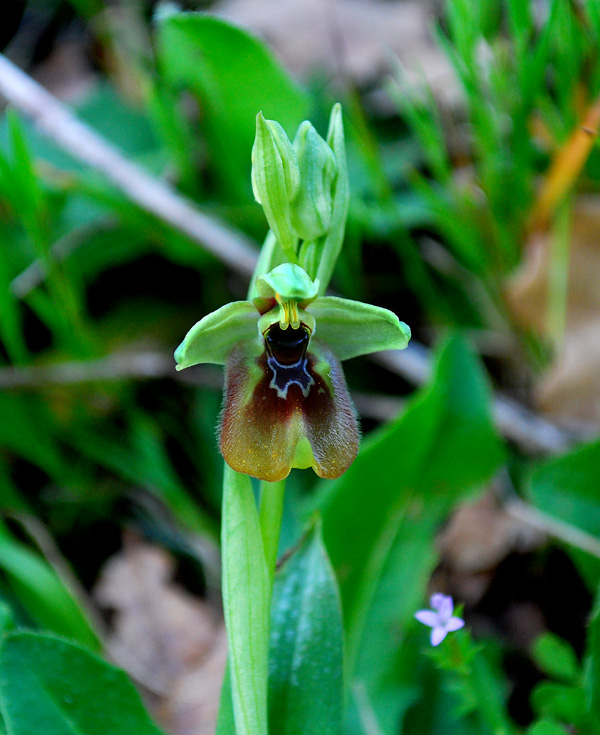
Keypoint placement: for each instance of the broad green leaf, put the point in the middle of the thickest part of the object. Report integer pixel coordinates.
(26, 429)
(226, 718)
(592, 665)
(379, 518)
(306, 655)
(246, 600)
(51, 686)
(556, 658)
(234, 76)
(564, 703)
(567, 489)
(7, 618)
(107, 112)
(546, 727)
(42, 593)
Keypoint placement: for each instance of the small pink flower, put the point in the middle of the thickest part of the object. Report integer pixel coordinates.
(440, 619)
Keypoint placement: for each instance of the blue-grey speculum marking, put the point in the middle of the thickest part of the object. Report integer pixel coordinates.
(287, 359)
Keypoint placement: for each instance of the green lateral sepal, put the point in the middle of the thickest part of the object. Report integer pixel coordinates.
(212, 339)
(352, 328)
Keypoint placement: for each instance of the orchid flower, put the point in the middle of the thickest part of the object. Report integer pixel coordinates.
(286, 402)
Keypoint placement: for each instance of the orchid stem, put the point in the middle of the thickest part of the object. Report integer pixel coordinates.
(270, 515)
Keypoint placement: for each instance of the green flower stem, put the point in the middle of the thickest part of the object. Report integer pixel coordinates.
(246, 604)
(463, 657)
(270, 515)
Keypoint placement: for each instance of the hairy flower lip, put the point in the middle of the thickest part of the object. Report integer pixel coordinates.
(260, 429)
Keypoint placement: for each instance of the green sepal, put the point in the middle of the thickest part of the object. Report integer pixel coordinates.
(341, 199)
(310, 209)
(287, 282)
(275, 180)
(211, 339)
(352, 328)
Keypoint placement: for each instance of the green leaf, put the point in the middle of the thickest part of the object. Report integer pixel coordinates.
(226, 718)
(246, 599)
(234, 76)
(567, 488)
(592, 664)
(42, 593)
(306, 656)
(212, 338)
(380, 517)
(546, 727)
(556, 658)
(352, 328)
(26, 429)
(50, 686)
(564, 703)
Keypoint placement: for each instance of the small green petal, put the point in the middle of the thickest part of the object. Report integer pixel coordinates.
(212, 338)
(352, 328)
(287, 282)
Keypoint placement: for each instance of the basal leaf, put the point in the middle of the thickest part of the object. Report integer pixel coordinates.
(234, 77)
(42, 593)
(567, 488)
(306, 656)
(51, 686)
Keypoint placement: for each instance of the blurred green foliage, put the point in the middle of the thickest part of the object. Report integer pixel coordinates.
(86, 275)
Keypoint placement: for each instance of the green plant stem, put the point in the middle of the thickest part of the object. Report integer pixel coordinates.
(270, 515)
(246, 604)
(468, 663)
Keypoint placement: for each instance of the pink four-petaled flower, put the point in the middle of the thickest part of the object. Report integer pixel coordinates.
(440, 619)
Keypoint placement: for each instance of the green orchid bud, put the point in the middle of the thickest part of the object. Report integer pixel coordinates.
(286, 402)
(275, 180)
(329, 249)
(310, 209)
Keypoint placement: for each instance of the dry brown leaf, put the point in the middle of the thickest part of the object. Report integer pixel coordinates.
(478, 537)
(351, 38)
(570, 389)
(192, 706)
(161, 633)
